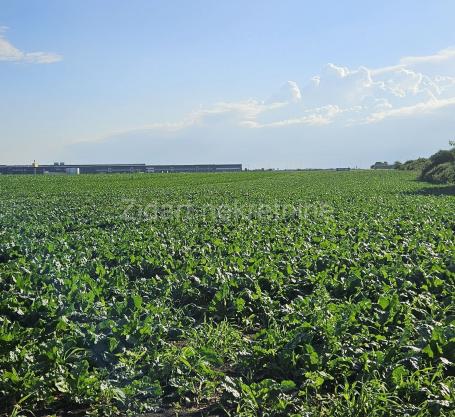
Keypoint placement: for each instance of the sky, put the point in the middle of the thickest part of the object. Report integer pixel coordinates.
(266, 83)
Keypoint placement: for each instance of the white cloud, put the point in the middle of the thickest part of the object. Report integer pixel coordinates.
(8, 52)
(440, 57)
(337, 95)
(238, 112)
(414, 110)
(330, 120)
(289, 92)
(363, 95)
(344, 96)
(315, 117)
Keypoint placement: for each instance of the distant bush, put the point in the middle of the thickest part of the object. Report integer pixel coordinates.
(382, 165)
(412, 165)
(442, 157)
(440, 168)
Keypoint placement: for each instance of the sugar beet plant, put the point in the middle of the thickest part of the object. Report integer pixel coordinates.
(250, 294)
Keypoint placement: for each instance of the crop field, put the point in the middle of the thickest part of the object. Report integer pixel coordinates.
(246, 294)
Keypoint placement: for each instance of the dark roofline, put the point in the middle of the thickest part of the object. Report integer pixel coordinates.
(117, 165)
(118, 168)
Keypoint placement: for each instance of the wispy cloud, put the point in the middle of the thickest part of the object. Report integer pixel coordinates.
(345, 96)
(441, 56)
(8, 52)
(409, 111)
(338, 96)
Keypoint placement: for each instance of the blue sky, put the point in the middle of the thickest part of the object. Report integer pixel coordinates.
(267, 83)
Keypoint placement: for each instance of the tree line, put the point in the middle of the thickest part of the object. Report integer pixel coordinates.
(438, 168)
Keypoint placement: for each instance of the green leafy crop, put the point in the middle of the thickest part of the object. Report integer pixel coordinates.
(247, 294)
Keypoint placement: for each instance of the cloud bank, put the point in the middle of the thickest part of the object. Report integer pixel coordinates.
(358, 114)
(8, 52)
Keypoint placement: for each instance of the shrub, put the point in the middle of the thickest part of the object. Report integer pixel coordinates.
(443, 173)
(413, 165)
(440, 168)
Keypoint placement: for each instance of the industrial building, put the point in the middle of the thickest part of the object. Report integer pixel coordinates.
(61, 168)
